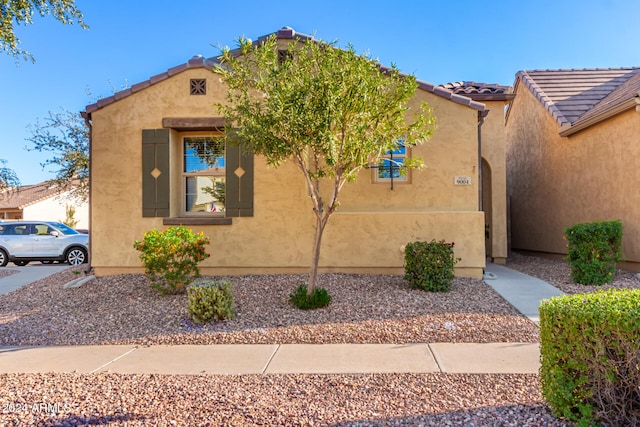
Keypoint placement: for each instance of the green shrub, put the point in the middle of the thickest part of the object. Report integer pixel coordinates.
(210, 300)
(594, 249)
(590, 357)
(171, 257)
(318, 299)
(430, 265)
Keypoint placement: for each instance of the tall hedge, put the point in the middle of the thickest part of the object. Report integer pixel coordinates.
(594, 250)
(590, 357)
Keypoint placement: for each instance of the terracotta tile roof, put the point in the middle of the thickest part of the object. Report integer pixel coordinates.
(285, 33)
(481, 91)
(577, 97)
(27, 195)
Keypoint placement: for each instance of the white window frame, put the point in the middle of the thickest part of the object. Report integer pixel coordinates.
(215, 172)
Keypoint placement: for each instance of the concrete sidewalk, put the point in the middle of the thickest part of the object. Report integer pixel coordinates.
(524, 292)
(520, 358)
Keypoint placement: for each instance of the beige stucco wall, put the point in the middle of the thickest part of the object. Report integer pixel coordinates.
(365, 235)
(555, 182)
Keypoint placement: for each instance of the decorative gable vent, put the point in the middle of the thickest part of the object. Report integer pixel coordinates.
(198, 87)
(284, 55)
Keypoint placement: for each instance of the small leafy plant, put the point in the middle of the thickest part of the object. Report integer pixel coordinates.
(210, 300)
(319, 298)
(430, 265)
(594, 249)
(171, 257)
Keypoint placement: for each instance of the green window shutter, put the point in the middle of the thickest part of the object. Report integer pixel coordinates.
(239, 181)
(155, 172)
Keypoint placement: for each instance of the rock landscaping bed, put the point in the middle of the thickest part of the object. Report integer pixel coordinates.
(365, 309)
(274, 400)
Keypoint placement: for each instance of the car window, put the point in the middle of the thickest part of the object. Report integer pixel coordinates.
(43, 229)
(65, 229)
(18, 230)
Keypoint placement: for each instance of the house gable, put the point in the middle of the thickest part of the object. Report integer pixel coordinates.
(579, 98)
(285, 33)
(273, 232)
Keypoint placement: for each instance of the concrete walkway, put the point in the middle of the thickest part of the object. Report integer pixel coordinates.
(275, 359)
(523, 291)
(27, 274)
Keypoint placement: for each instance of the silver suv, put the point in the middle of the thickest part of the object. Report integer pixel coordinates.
(45, 241)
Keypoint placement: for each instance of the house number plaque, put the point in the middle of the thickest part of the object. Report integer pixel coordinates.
(463, 180)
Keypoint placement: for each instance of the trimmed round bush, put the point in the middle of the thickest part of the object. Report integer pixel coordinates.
(594, 249)
(430, 265)
(590, 357)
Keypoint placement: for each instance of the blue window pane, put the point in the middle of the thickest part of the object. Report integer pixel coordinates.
(388, 168)
(203, 153)
(401, 150)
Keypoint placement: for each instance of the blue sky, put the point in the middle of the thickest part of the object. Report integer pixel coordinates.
(438, 41)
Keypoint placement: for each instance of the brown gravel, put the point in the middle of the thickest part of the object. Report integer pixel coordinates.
(558, 273)
(273, 400)
(365, 309)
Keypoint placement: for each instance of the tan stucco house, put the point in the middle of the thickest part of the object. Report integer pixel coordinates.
(572, 153)
(144, 175)
(43, 202)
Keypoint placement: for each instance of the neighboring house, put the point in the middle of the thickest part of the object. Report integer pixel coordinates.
(572, 155)
(145, 175)
(42, 201)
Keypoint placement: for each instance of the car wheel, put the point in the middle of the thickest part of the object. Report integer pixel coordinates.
(21, 263)
(76, 256)
(4, 258)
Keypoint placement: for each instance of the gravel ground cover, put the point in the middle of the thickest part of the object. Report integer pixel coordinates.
(273, 400)
(558, 273)
(365, 309)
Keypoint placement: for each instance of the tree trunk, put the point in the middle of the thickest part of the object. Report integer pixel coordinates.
(315, 254)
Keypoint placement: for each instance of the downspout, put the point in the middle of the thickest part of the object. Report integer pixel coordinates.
(481, 116)
(87, 121)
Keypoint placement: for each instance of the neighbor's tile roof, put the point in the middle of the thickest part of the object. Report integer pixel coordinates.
(481, 91)
(285, 33)
(27, 195)
(574, 96)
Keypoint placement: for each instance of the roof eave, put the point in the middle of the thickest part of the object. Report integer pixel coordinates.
(492, 96)
(195, 62)
(568, 129)
(447, 94)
